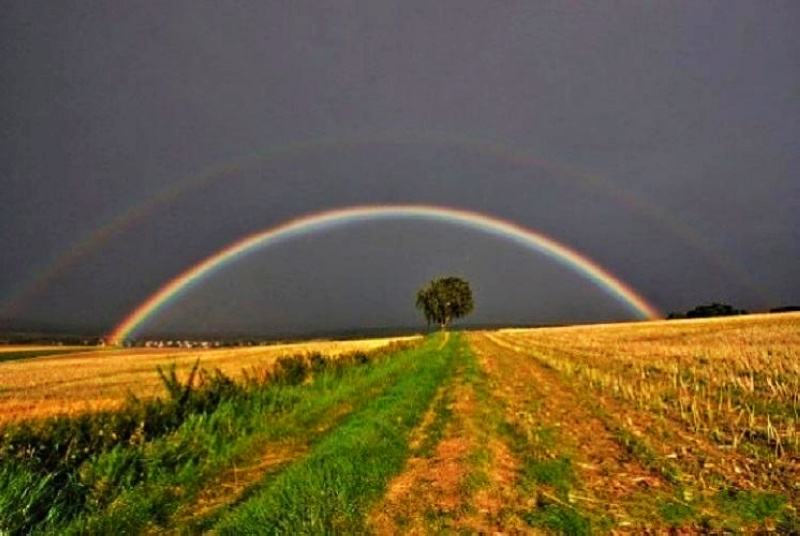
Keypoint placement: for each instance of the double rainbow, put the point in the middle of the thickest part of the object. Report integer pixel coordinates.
(39, 280)
(361, 214)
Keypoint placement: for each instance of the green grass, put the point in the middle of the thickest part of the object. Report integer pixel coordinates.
(330, 490)
(558, 518)
(443, 414)
(676, 512)
(756, 507)
(556, 473)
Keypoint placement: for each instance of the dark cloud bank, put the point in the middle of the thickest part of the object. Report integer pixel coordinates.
(657, 138)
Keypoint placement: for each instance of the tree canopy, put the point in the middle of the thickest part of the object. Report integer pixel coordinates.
(708, 311)
(445, 299)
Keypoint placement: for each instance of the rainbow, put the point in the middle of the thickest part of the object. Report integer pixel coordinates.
(361, 214)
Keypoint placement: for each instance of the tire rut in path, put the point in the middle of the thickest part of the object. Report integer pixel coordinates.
(229, 486)
(463, 484)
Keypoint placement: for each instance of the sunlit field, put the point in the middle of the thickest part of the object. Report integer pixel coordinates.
(735, 381)
(683, 426)
(81, 379)
(32, 348)
(697, 419)
(12, 353)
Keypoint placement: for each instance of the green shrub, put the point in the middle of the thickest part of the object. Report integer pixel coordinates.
(318, 363)
(291, 370)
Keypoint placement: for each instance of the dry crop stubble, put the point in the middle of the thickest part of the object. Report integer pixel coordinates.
(716, 401)
(559, 430)
(735, 380)
(95, 380)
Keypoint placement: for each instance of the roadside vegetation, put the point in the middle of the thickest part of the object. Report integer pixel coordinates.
(145, 466)
(92, 379)
(331, 488)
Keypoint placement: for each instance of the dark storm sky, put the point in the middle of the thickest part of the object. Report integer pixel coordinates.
(658, 138)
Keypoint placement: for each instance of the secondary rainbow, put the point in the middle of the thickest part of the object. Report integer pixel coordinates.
(331, 219)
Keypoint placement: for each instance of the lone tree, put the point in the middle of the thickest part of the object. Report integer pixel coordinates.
(445, 299)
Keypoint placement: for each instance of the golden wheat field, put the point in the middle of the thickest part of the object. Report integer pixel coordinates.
(31, 348)
(102, 379)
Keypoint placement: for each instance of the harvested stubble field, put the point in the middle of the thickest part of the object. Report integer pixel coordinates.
(680, 426)
(684, 423)
(79, 380)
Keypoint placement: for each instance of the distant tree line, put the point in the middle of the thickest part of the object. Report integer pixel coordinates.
(723, 309)
(708, 311)
(785, 309)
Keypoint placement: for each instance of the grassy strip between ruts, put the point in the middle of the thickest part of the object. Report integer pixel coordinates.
(139, 483)
(331, 489)
(465, 481)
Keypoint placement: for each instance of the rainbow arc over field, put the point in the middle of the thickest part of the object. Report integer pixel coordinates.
(340, 217)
